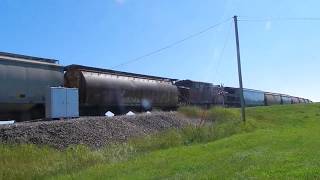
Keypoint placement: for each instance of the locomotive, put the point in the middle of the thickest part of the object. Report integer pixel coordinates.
(24, 80)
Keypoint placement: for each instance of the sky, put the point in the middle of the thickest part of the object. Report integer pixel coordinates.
(276, 56)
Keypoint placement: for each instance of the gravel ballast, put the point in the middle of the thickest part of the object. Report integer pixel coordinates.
(94, 132)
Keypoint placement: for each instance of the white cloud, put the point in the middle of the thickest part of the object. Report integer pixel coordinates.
(268, 26)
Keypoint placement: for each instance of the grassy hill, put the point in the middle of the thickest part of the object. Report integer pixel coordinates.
(276, 142)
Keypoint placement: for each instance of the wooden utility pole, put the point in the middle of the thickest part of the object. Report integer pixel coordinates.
(243, 112)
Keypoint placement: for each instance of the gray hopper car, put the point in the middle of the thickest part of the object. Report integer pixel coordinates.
(102, 90)
(259, 98)
(23, 83)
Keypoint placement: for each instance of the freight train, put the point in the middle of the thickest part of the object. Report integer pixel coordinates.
(24, 80)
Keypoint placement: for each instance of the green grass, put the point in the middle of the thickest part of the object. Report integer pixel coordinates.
(277, 142)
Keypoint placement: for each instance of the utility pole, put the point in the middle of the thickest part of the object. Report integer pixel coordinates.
(243, 112)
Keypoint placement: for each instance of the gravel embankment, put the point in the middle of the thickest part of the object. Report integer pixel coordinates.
(95, 132)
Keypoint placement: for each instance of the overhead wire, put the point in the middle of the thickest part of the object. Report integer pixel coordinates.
(172, 44)
(264, 19)
(222, 51)
(240, 18)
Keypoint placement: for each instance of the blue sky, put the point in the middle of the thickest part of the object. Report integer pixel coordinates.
(277, 56)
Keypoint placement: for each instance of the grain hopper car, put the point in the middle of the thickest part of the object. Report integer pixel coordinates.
(259, 98)
(102, 90)
(23, 83)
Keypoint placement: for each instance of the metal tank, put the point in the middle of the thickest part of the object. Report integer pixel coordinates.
(102, 90)
(24, 80)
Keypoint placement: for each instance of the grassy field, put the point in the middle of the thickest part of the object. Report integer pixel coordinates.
(276, 142)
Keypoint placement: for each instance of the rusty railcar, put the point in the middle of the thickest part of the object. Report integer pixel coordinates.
(102, 90)
(24, 80)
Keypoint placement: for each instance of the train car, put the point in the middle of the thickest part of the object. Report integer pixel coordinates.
(295, 100)
(102, 90)
(251, 97)
(285, 99)
(24, 80)
(272, 99)
(199, 93)
(184, 95)
(231, 97)
(302, 101)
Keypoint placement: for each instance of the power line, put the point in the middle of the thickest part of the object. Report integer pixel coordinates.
(172, 44)
(264, 19)
(222, 51)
